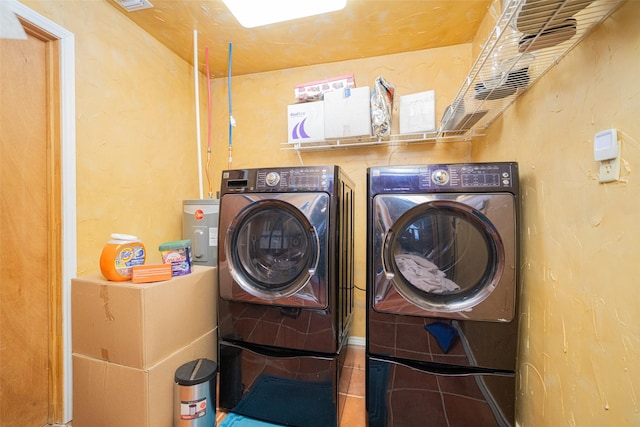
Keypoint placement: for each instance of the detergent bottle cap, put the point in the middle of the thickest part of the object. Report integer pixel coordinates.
(123, 238)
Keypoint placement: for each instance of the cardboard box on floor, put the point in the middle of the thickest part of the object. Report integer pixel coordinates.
(138, 325)
(108, 394)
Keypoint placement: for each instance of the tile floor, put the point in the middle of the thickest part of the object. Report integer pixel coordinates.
(353, 412)
(352, 390)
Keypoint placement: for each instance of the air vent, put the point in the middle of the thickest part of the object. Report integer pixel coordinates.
(133, 5)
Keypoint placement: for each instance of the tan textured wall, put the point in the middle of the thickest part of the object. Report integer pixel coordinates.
(580, 323)
(580, 339)
(259, 103)
(136, 150)
(135, 129)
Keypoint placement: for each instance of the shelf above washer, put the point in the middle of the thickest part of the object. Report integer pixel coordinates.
(528, 38)
(367, 141)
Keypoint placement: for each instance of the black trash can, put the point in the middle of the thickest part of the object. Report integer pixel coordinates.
(231, 389)
(194, 394)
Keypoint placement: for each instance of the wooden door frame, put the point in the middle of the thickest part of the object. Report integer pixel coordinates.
(62, 223)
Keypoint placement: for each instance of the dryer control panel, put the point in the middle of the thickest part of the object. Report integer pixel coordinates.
(281, 180)
(473, 177)
(470, 176)
(298, 179)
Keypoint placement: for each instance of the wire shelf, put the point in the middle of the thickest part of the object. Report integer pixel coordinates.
(368, 141)
(529, 37)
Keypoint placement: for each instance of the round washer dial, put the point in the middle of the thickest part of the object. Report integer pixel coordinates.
(440, 177)
(272, 179)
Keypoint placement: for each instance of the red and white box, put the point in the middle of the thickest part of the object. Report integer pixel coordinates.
(314, 91)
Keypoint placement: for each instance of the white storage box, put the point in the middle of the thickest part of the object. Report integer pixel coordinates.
(417, 112)
(306, 121)
(347, 113)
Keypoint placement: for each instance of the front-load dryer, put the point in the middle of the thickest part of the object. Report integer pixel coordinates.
(285, 277)
(442, 263)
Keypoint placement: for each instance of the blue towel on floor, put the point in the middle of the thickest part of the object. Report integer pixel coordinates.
(446, 335)
(235, 420)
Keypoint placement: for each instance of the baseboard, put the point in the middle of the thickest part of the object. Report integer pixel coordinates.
(357, 341)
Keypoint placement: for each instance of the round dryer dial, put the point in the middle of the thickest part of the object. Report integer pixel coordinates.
(440, 177)
(272, 179)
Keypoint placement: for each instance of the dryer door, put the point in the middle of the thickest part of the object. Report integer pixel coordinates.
(275, 249)
(444, 255)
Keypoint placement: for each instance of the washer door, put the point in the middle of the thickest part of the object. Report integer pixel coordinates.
(443, 256)
(273, 249)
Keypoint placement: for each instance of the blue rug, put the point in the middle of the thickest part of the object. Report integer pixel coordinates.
(289, 402)
(235, 420)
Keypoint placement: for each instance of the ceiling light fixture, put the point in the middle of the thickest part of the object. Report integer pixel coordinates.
(254, 13)
(133, 5)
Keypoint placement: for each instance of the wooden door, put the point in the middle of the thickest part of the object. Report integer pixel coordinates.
(30, 264)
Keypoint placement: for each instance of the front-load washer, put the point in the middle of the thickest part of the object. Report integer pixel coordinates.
(285, 277)
(442, 264)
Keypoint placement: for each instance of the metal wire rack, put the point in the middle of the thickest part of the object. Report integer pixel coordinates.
(529, 37)
(367, 141)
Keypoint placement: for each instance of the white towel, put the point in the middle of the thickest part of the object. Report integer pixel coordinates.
(424, 275)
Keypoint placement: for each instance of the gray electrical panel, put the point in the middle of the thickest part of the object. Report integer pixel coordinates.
(200, 225)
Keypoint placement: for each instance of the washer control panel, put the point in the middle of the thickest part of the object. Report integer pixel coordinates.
(281, 180)
(471, 176)
(445, 177)
(313, 178)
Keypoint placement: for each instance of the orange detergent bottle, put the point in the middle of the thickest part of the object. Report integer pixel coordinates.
(120, 255)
